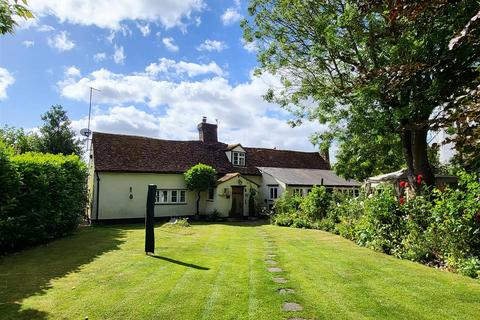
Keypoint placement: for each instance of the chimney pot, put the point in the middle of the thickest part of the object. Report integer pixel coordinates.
(204, 119)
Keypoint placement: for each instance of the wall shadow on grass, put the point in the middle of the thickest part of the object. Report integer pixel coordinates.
(185, 264)
(31, 271)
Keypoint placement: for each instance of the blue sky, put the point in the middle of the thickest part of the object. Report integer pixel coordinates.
(160, 66)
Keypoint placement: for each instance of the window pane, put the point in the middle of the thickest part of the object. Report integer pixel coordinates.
(210, 193)
(174, 195)
(157, 196)
(182, 196)
(164, 197)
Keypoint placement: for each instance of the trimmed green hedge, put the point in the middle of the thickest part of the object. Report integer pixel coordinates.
(43, 197)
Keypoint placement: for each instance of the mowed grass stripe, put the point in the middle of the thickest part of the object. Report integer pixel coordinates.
(103, 273)
(343, 278)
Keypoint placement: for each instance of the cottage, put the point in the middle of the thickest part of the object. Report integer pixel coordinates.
(122, 166)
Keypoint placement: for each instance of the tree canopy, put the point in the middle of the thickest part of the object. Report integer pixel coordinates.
(373, 70)
(9, 10)
(200, 178)
(56, 134)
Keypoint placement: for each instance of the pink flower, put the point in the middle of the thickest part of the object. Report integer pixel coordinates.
(403, 184)
(402, 201)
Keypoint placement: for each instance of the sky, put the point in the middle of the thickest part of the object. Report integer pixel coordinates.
(160, 67)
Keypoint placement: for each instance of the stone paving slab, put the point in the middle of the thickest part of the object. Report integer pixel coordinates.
(274, 269)
(285, 291)
(269, 261)
(292, 306)
(280, 280)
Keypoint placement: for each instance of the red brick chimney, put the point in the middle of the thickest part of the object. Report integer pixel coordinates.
(207, 132)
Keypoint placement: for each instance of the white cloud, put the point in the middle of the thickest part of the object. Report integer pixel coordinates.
(212, 45)
(99, 56)
(72, 72)
(119, 55)
(61, 42)
(251, 47)
(28, 43)
(6, 80)
(169, 44)
(45, 28)
(168, 66)
(198, 21)
(231, 16)
(242, 113)
(144, 29)
(104, 14)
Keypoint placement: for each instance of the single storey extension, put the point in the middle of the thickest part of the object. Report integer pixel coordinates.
(123, 166)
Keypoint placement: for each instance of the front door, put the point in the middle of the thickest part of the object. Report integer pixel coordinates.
(237, 202)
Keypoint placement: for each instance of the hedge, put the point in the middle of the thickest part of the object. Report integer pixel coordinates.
(43, 197)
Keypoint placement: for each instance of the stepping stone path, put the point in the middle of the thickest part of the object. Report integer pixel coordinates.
(292, 306)
(270, 256)
(285, 291)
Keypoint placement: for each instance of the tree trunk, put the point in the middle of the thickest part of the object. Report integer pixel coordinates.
(414, 146)
(198, 204)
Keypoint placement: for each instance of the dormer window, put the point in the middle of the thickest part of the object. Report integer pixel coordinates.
(238, 158)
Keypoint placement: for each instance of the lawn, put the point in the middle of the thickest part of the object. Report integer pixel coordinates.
(219, 271)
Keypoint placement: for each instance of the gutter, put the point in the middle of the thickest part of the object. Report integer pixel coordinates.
(98, 195)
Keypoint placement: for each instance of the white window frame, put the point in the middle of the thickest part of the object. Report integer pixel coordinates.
(273, 191)
(238, 158)
(298, 191)
(167, 196)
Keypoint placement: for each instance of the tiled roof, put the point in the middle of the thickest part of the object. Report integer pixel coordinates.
(123, 153)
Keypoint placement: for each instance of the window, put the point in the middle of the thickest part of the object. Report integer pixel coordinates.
(170, 196)
(273, 193)
(238, 158)
(297, 192)
(161, 196)
(211, 194)
(174, 196)
(308, 191)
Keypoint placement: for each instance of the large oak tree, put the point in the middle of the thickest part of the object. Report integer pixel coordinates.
(375, 68)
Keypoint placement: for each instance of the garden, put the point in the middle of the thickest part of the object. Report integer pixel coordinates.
(440, 228)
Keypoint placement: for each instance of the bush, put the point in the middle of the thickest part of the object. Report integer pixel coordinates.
(49, 198)
(315, 205)
(287, 203)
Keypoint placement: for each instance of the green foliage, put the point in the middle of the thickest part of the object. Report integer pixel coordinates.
(200, 177)
(368, 69)
(56, 134)
(315, 204)
(8, 11)
(20, 141)
(287, 203)
(46, 198)
(439, 228)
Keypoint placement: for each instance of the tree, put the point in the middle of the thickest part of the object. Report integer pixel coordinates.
(20, 141)
(386, 59)
(8, 11)
(200, 178)
(56, 134)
